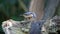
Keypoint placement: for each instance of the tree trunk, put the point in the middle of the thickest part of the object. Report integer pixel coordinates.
(37, 6)
(50, 8)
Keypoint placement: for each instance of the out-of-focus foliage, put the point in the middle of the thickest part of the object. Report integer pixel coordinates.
(11, 9)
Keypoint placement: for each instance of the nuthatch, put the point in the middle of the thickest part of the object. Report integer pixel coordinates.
(29, 15)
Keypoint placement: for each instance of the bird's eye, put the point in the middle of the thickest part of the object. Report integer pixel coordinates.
(29, 17)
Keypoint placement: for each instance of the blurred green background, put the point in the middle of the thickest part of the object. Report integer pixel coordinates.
(11, 9)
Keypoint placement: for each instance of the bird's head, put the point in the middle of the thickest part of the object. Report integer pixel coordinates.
(29, 15)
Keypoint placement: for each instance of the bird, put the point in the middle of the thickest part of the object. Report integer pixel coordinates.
(30, 16)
